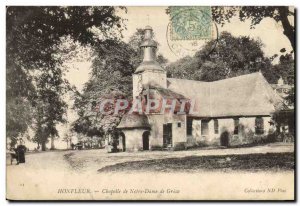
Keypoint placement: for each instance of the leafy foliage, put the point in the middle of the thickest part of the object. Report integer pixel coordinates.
(34, 33)
(286, 69)
(111, 78)
(256, 14)
(112, 68)
(233, 56)
(19, 92)
(34, 59)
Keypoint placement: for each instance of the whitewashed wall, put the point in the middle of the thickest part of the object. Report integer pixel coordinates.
(134, 139)
(246, 131)
(156, 134)
(154, 78)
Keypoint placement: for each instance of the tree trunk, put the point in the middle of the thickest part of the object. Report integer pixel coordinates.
(52, 143)
(100, 141)
(44, 146)
(288, 29)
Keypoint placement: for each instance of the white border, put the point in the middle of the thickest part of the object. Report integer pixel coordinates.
(116, 3)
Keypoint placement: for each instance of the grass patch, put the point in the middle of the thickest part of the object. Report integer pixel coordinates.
(245, 162)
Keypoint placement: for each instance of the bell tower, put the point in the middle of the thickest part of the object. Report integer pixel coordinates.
(149, 73)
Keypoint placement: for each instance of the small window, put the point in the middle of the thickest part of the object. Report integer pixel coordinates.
(204, 127)
(236, 126)
(259, 125)
(189, 126)
(216, 126)
(179, 124)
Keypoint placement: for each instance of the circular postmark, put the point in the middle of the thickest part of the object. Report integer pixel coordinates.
(190, 29)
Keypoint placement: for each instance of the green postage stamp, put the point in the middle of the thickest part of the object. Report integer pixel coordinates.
(191, 23)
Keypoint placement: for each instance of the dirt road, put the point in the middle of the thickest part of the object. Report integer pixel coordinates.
(45, 173)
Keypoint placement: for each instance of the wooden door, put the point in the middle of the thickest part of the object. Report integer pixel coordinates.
(146, 140)
(167, 135)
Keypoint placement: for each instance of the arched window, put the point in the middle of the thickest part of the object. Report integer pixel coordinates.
(259, 125)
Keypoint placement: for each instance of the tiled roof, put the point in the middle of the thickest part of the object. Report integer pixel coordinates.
(134, 121)
(244, 95)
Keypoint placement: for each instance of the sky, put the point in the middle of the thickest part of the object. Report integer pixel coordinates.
(270, 33)
(268, 30)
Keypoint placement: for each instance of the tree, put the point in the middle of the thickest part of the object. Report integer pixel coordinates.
(18, 118)
(19, 94)
(50, 110)
(135, 41)
(286, 70)
(112, 68)
(185, 68)
(233, 56)
(256, 14)
(68, 139)
(111, 78)
(34, 33)
(34, 36)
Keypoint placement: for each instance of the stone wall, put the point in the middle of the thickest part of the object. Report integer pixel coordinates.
(154, 78)
(136, 85)
(134, 139)
(245, 135)
(178, 130)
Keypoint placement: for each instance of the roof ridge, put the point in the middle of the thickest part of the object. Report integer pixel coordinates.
(236, 77)
(244, 75)
(188, 80)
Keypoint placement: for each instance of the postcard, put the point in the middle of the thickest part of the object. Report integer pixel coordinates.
(191, 103)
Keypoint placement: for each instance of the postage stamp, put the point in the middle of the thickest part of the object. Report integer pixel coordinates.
(191, 28)
(191, 23)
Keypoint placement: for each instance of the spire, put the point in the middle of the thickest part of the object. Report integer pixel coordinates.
(148, 33)
(149, 47)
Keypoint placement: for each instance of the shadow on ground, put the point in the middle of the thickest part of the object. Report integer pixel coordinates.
(242, 162)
